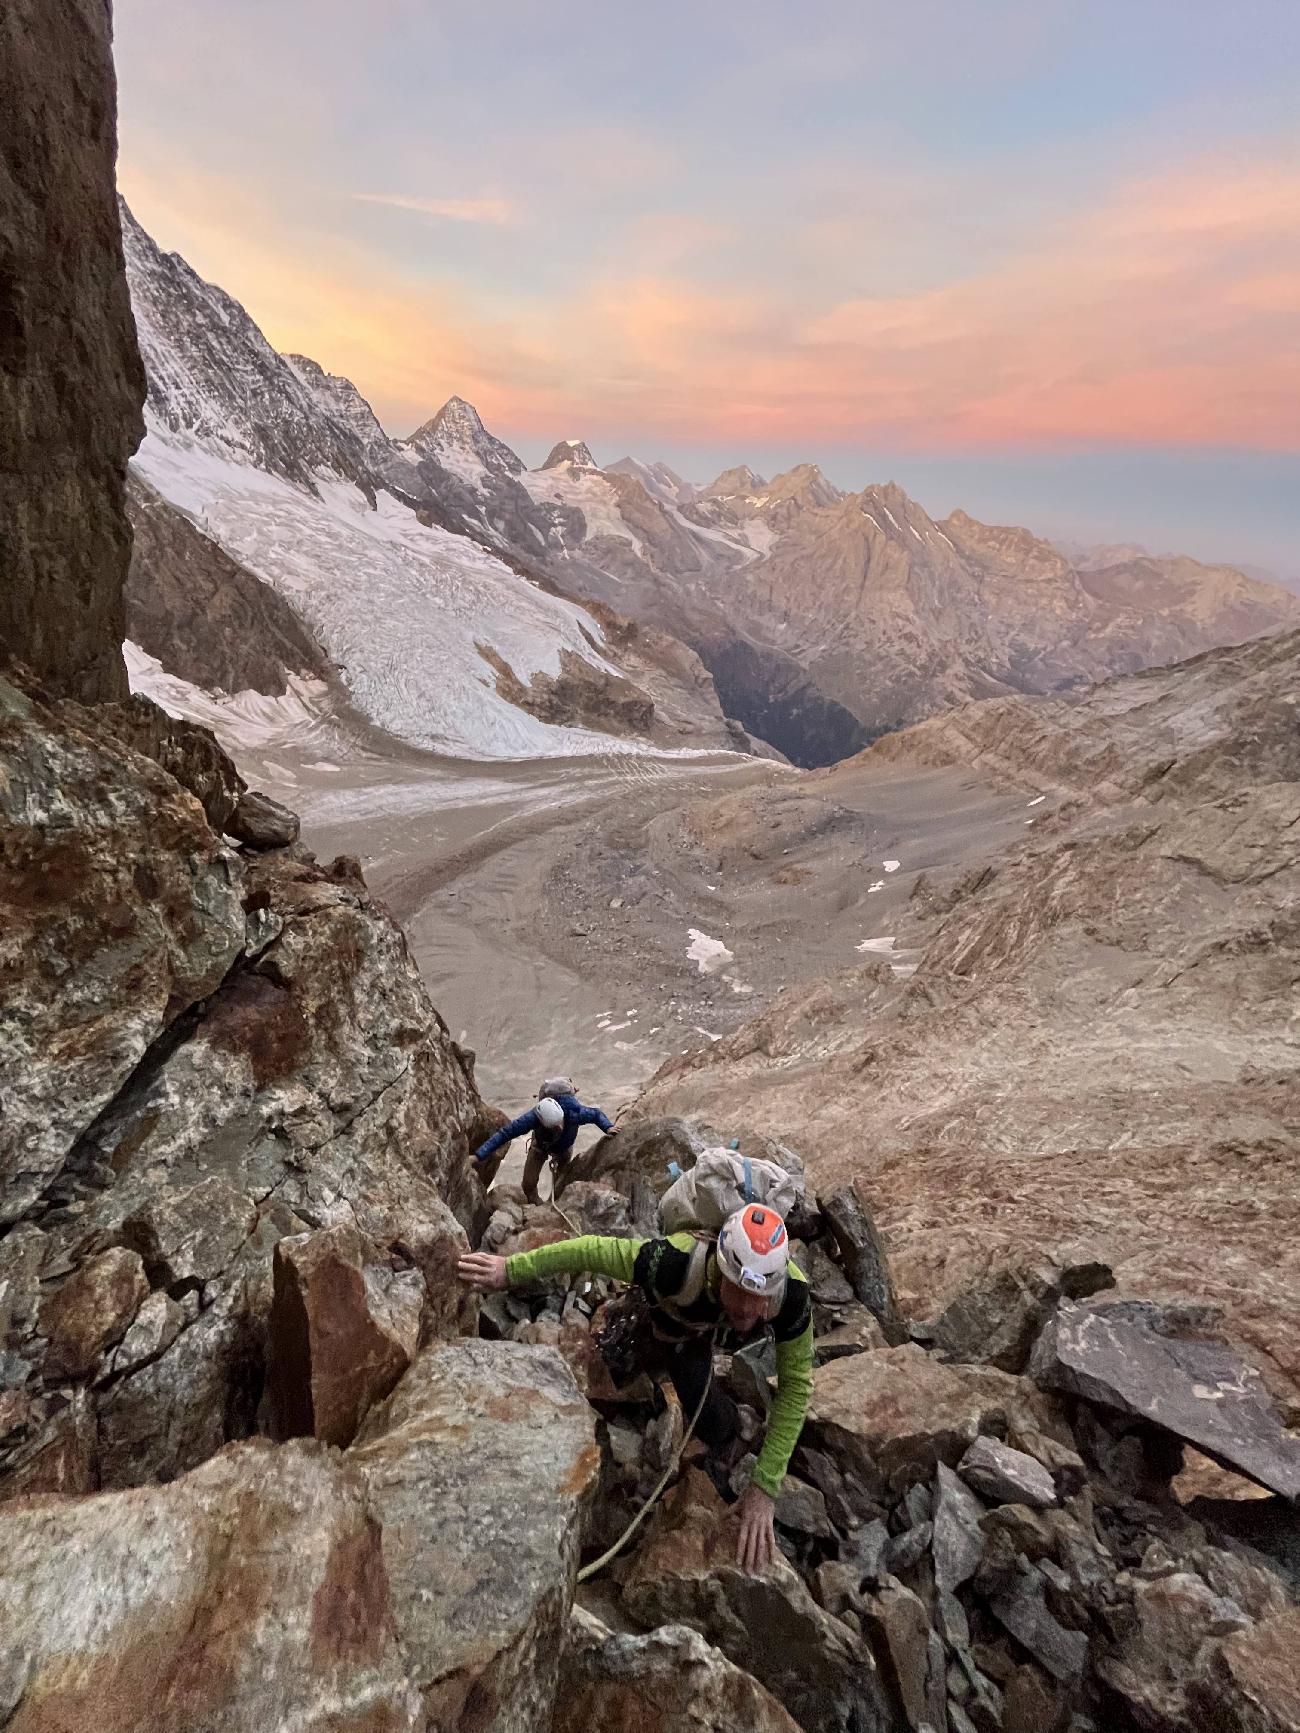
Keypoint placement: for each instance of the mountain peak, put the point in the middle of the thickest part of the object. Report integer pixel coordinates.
(572, 451)
(732, 483)
(456, 437)
(805, 484)
(657, 479)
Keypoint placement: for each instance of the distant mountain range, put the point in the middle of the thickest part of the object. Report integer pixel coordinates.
(453, 586)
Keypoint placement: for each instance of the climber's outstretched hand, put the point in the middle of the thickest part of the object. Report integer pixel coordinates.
(482, 1271)
(756, 1545)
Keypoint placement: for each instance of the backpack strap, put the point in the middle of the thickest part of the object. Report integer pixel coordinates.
(693, 1284)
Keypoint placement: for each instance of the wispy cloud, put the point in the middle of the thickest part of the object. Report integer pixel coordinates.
(498, 212)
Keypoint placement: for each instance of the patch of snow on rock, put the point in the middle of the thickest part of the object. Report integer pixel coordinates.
(708, 954)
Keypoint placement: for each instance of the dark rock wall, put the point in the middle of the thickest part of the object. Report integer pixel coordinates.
(71, 380)
(202, 614)
(772, 697)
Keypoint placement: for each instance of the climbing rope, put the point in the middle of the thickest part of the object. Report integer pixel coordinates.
(605, 1558)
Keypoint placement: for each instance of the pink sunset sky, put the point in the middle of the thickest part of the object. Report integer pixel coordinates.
(1042, 261)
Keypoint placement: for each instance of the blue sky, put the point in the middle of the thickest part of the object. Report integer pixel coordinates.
(1040, 260)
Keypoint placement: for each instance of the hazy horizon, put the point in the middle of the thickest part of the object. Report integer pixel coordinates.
(1042, 266)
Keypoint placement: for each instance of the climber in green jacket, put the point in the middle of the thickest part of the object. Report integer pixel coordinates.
(702, 1293)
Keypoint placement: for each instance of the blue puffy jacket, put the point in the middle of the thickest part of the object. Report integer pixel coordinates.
(558, 1142)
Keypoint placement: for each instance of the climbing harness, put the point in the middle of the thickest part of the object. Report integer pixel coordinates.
(612, 1552)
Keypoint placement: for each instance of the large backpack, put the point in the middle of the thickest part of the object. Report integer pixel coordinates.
(721, 1182)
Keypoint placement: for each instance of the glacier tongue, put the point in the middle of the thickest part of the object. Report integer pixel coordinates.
(401, 606)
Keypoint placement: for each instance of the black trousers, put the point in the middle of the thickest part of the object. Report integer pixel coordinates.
(687, 1364)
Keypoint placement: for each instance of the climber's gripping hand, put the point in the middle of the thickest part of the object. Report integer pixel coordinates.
(482, 1271)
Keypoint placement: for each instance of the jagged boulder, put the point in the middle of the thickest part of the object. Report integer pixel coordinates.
(863, 1255)
(119, 909)
(889, 1415)
(93, 1309)
(261, 822)
(638, 1153)
(343, 1328)
(767, 1624)
(479, 1468)
(421, 1580)
(994, 1320)
(1200, 1391)
(668, 1681)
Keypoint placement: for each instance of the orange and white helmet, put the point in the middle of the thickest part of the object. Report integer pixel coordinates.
(754, 1251)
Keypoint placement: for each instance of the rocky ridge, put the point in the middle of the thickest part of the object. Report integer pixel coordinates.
(1088, 1036)
(829, 618)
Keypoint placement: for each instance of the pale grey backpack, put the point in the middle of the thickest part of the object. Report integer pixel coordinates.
(721, 1182)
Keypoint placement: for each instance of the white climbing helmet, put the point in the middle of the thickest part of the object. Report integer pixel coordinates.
(754, 1251)
(550, 1114)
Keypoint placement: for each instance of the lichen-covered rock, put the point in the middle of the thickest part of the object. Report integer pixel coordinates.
(250, 1594)
(119, 909)
(480, 1466)
(421, 1580)
(668, 1681)
(178, 1099)
(71, 382)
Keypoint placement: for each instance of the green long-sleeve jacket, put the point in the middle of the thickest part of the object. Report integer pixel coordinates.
(659, 1268)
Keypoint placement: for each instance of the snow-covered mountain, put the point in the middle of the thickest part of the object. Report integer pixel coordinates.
(823, 617)
(391, 554)
(827, 618)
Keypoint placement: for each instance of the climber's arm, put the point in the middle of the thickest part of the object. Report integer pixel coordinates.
(507, 1134)
(600, 1254)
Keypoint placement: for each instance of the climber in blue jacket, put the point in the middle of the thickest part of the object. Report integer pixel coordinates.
(554, 1125)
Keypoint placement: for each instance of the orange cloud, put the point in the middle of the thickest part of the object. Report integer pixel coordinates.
(1166, 314)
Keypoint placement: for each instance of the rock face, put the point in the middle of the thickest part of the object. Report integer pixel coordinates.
(499, 1435)
(420, 1581)
(71, 383)
(205, 617)
(828, 618)
(121, 910)
(204, 1052)
(401, 574)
